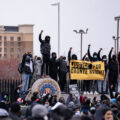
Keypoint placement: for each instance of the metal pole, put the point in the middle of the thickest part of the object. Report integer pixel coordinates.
(115, 46)
(58, 5)
(117, 36)
(58, 29)
(81, 46)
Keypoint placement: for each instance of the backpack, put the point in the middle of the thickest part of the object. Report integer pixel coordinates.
(20, 68)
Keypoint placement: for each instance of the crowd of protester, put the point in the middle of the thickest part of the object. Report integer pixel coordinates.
(49, 107)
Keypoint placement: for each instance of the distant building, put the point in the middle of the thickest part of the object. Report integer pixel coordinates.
(15, 40)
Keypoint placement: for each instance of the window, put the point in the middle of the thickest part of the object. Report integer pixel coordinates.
(0, 49)
(19, 50)
(5, 38)
(0, 43)
(5, 43)
(11, 56)
(18, 56)
(0, 37)
(19, 44)
(11, 49)
(5, 55)
(11, 38)
(18, 39)
(5, 49)
(11, 43)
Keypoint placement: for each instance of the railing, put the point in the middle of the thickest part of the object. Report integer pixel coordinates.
(8, 87)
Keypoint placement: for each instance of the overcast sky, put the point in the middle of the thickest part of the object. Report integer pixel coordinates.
(96, 15)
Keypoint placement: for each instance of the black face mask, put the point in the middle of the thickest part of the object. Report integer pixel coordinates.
(54, 57)
(114, 58)
(47, 39)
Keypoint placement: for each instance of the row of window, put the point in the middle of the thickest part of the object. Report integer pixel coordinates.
(11, 38)
(5, 56)
(11, 43)
(11, 50)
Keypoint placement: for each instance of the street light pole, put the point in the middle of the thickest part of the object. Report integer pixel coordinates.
(117, 19)
(81, 32)
(58, 5)
(81, 45)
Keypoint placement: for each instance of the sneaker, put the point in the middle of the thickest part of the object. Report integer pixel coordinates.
(96, 92)
(88, 93)
(91, 93)
(85, 93)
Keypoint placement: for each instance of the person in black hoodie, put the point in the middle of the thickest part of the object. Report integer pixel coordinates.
(119, 72)
(86, 83)
(53, 66)
(72, 57)
(113, 73)
(93, 59)
(62, 72)
(103, 83)
(45, 51)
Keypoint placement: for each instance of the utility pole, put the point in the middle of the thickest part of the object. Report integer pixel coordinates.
(58, 5)
(117, 19)
(81, 32)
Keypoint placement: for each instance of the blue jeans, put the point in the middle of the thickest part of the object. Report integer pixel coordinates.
(93, 85)
(119, 84)
(105, 84)
(102, 85)
(25, 82)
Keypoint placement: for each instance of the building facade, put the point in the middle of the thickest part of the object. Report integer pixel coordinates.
(15, 41)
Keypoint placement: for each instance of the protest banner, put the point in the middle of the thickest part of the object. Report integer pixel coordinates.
(84, 70)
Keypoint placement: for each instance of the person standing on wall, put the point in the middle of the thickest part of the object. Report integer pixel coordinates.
(113, 73)
(62, 72)
(27, 71)
(45, 48)
(71, 57)
(94, 58)
(53, 66)
(102, 84)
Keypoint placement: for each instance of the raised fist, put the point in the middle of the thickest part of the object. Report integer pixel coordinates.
(112, 48)
(89, 46)
(41, 31)
(70, 48)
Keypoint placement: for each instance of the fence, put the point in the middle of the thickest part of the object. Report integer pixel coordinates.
(9, 77)
(8, 87)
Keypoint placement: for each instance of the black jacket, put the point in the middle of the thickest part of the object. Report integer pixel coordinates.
(100, 59)
(62, 65)
(92, 59)
(26, 59)
(113, 65)
(53, 65)
(73, 57)
(44, 47)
